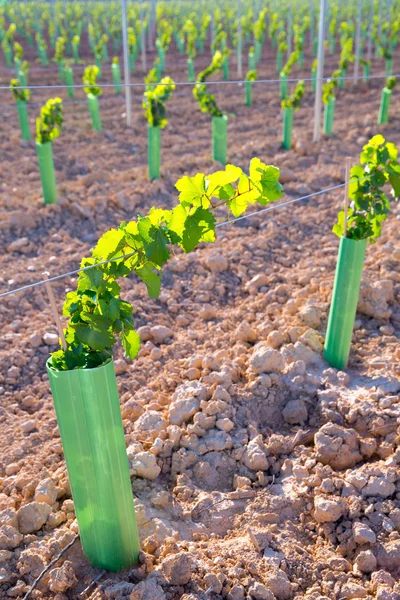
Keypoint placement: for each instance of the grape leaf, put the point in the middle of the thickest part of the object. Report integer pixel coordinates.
(109, 245)
(192, 190)
(94, 338)
(131, 343)
(198, 226)
(152, 279)
(155, 241)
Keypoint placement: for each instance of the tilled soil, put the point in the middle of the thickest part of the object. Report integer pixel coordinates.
(284, 480)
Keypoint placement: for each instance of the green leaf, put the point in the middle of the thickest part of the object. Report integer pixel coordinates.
(110, 310)
(155, 241)
(151, 278)
(95, 339)
(109, 245)
(198, 227)
(176, 224)
(192, 190)
(131, 343)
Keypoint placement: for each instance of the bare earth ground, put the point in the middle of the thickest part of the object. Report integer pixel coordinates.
(273, 481)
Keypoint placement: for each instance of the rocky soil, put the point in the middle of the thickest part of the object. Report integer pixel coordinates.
(258, 472)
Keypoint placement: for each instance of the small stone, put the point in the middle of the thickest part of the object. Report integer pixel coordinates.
(147, 590)
(295, 412)
(62, 578)
(245, 333)
(143, 464)
(337, 446)
(18, 245)
(224, 424)
(278, 583)
(216, 262)
(46, 491)
(275, 339)
(186, 401)
(50, 339)
(118, 590)
(328, 510)
(255, 455)
(28, 426)
(160, 333)
(35, 340)
(310, 316)
(179, 568)
(33, 516)
(151, 423)
(266, 360)
(353, 590)
(363, 534)
(236, 593)
(120, 366)
(10, 537)
(258, 591)
(366, 562)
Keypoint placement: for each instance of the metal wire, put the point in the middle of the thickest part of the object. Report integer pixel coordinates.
(258, 212)
(191, 83)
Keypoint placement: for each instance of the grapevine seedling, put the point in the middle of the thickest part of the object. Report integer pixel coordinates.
(154, 100)
(370, 204)
(49, 124)
(206, 100)
(20, 95)
(89, 81)
(97, 314)
(294, 100)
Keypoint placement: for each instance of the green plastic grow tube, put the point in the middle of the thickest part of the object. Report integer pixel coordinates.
(366, 69)
(314, 79)
(94, 109)
(329, 114)
(219, 138)
(154, 151)
(69, 80)
(47, 173)
(251, 61)
(98, 64)
(75, 51)
(287, 128)
(344, 302)
(225, 68)
(190, 67)
(279, 60)
(23, 120)
(88, 414)
(383, 115)
(247, 88)
(116, 75)
(8, 57)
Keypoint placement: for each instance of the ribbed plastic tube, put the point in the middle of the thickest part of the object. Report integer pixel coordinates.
(69, 80)
(116, 75)
(383, 115)
(23, 120)
(344, 302)
(287, 128)
(154, 151)
(94, 109)
(247, 87)
(47, 173)
(219, 138)
(88, 414)
(329, 114)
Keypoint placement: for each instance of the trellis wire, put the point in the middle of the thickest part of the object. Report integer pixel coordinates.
(190, 83)
(235, 220)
